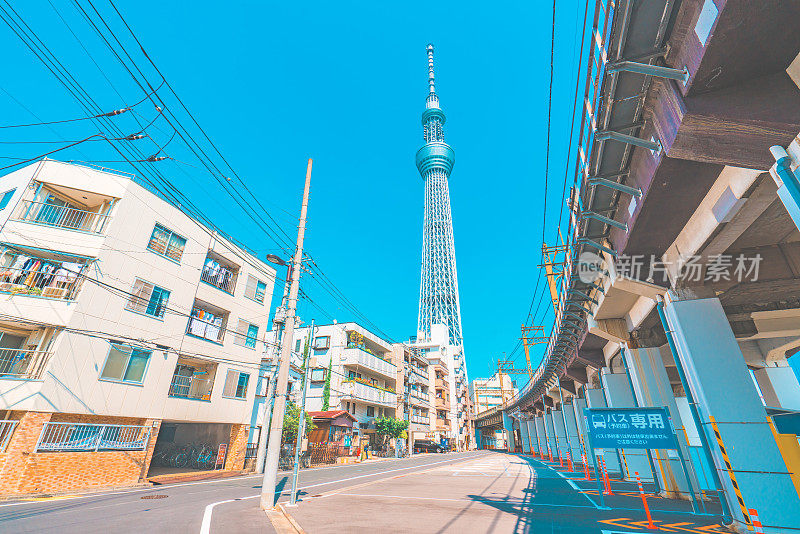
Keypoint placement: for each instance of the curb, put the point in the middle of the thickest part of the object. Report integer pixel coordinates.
(283, 522)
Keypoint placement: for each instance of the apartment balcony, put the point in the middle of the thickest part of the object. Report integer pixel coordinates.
(420, 419)
(208, 322)
(62, 216)
(421, 376)
(358, 358)
(356, 391)
(193, 379)
(418, 398)
(442, 384)
(23, 364)
(443, 425)
(442, 404)
(219, 272)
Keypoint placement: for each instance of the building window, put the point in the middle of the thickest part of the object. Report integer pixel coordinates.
(297, 345)
(148, 298)
(236, 384)
(126, 364)
(370, 411)
(322, 342)
(255, 289)
(6, 198)
(167, 243)
(246, 334)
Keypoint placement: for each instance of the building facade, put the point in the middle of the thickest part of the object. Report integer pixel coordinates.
(126, 326)
(416, 403)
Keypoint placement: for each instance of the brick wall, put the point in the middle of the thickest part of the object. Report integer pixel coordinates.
(23, 471)
(237, 446)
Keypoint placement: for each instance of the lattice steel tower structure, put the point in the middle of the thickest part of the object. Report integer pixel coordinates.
(438, 292)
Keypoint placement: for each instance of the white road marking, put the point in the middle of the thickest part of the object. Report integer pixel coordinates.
(205, 527)
(575, 487)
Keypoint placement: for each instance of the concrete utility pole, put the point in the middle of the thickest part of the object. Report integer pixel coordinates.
(279, 406)
(301, 420)
(277, 326)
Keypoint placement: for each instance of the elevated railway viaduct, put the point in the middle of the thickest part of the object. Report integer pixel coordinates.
(681, 278)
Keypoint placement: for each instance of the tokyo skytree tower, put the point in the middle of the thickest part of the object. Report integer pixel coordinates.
(438, 293)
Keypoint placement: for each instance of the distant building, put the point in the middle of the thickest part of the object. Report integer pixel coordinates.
(125, 326)
(488, 393)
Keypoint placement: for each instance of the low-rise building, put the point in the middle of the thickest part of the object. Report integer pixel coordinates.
(488, 393)
(415, 404)
(126, 326)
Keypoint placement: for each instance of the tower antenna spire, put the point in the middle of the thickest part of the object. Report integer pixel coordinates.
(432, 101)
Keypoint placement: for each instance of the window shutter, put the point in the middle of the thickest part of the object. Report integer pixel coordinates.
(231, 381)
(250, 288)
(241, 332)
(140, 296)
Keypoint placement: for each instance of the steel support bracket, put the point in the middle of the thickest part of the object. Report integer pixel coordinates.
(598, 246)
(611, 184)
(605, 220)
(605, 135)
(682, 75)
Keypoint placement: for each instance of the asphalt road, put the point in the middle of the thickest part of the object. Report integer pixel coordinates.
(492, 493)
(181, 508)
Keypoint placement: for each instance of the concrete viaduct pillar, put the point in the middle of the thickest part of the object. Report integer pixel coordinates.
(578, 405)
(596, 399)
(619, 395)
(541, 436)
(561, 434)
(532, 436)
(652, 389)
(508, 427)
(552, 447)
(742, 439)
(573, 440)
(523, 432)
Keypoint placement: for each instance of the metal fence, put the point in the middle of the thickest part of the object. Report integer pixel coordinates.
(62, 216)
(6, 430)
(251, 451)
(91, 437)
(19, 363)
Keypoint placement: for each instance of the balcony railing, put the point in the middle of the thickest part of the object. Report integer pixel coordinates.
(419, 398)
(47, 279)
(358, 356)
(420, 419)
(422, 376)
(442, 384)
(442, 404)
(219, 277)
(23, 364)
(207, 330)
(369, 394)
(189, 387)
(91, 437)
(62, 217)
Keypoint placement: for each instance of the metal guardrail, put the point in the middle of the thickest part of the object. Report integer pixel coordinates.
(62, 216)
(62, 437)
(7, 427)
(23, 364)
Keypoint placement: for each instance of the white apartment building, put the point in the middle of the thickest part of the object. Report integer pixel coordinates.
(454, 421)
(416, 402)
(488, 393)
(124, 324)
(363, 373)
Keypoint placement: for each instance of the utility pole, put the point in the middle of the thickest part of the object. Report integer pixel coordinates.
(301, 420)
(279, 406)
(277, 326)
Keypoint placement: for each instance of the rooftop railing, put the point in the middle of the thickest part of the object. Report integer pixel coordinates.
(62, 216)
(23, 364)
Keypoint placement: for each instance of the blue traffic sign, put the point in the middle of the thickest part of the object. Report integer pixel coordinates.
(630, 428)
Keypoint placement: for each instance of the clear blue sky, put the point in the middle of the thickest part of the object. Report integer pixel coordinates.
(343, 83)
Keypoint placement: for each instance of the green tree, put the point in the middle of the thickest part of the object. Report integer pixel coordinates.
(390, 427)
(291, 421)
(326, 391)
